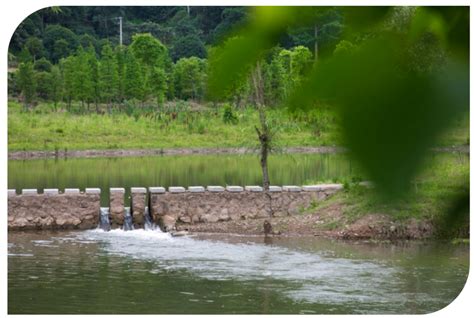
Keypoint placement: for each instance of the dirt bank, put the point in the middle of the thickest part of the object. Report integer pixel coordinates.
(329, 222)
(23, 155)
(39, 154)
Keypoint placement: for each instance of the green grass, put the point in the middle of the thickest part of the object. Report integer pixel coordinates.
(43, 129)
(200, 127)
(433, 193)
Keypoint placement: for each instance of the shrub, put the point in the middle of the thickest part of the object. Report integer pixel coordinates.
(229, 116)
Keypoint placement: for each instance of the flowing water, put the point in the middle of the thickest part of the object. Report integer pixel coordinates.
(151, 272)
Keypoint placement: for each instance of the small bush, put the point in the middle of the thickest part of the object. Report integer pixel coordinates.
(229, 116)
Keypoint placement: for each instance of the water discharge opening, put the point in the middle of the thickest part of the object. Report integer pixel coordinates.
(104, 219)
(127, 221)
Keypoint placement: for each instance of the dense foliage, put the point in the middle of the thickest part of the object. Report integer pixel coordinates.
(74, 54)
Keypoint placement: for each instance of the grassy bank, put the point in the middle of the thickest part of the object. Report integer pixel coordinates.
(184, 125)
(434, 197)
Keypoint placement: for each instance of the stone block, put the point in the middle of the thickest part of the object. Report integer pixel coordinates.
(29, 191)
(215, 189)
(51, 191)
(156, 190)
(117, 206)
(311, 188)
(254, 188)
(274, 189)
(234, 188)
(11, 192)
(138, 205)
(291, 188)
(117, 190)
(92, 190)
(176, 189)
(196, 189)
(138, 190)
(71, 191)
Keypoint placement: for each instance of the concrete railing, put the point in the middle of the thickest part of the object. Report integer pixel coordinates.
(75, 209)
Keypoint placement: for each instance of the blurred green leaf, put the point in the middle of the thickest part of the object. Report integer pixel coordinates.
(393, 105)
(390, 117)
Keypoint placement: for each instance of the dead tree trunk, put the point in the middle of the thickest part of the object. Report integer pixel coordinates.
(263, 133)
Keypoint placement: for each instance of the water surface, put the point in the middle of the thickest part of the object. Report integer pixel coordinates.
(175, 171)
(150, 272)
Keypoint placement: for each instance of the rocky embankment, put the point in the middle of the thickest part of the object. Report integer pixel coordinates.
(328, 222)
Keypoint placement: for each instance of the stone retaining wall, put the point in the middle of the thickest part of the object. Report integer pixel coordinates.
(53, 210)
(80, 210)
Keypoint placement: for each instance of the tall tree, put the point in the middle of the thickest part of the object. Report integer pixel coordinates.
(26, 83)
(35, 47)
(190, 78)
(56, 86)
(158, 84)
(83, 84)
(68, 74)
(134, 83)
(149, 50)
(94, 76)
(108, 74)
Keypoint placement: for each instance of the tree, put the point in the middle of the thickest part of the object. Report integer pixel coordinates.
(35, 48)
(190, 78)
(68, 74)
(27, 83)
(187, 46)
(108, 75)
(43, 84)
(60, 50)
(94, 76)
(82, 83)
(43, 65)
(265, 136)
(59, 41)
(120, 58)
(149, 50)
(158, 84)
(134, 83)
(56, 85)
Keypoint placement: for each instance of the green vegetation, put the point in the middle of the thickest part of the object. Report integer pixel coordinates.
(177, 125)
(434, 192)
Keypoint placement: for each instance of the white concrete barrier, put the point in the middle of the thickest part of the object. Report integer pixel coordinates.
(215, 189)
(72, 191)
(29, 191)
(117, 190)
(254, 188)
(292, 188)
(93, 191)
(156, 190)
(196, 189)
(138, 190)
(176, 189)
(51, 191)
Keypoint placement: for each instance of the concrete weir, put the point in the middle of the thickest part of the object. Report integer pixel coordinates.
(75, 209)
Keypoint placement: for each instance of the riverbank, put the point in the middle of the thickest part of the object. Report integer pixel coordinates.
(25, 155)
(433, 208)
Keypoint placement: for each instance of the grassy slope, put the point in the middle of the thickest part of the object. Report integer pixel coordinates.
(43, 129)
(444, 179)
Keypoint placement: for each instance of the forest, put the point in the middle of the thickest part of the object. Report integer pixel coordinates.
(67, 54)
